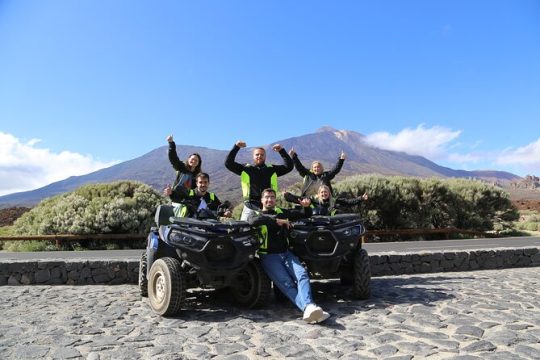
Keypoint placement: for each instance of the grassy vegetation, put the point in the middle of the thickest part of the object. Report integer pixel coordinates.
(528, 222)
(6, 230)
(23, 246)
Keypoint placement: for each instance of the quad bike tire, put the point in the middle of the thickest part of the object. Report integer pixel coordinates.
(252, 288)
(143, 281)
(166, 286)
(346, 276)
(361, 275)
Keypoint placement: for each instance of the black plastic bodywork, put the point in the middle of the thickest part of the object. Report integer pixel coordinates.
(211, 252)
(325, 243)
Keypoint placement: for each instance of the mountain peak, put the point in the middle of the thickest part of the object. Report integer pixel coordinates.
(340, 134)
(326, 128)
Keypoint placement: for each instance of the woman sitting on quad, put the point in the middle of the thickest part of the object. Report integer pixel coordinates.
(324, 203)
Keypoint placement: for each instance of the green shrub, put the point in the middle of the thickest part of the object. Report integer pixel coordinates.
(117, 207)
(405, 202)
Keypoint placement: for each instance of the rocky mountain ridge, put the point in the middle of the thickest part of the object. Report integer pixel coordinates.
(324, 145)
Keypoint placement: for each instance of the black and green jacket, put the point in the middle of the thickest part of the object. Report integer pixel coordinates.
(192, 200)
(322, 207)
(274, 238)
(254, 178)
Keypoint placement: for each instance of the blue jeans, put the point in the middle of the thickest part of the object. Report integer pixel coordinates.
(288, 274)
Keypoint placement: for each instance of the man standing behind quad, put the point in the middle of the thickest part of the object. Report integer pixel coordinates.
(257, 176)
(316, 177)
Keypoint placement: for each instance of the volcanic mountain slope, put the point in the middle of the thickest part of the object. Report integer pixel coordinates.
(324, 145)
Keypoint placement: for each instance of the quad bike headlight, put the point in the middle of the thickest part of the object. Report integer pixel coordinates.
(179, 238)
(357, 230)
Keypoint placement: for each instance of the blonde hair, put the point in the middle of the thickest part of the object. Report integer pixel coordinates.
(324, 187)
(317, 162)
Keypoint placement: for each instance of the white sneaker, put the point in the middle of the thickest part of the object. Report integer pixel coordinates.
(324, 316)
(312, 314)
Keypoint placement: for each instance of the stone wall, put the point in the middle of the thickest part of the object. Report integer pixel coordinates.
(85, 272)
(69, 272)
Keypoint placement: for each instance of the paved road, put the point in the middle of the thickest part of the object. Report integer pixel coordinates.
(372, 248)
(492, 314)
(454, 245)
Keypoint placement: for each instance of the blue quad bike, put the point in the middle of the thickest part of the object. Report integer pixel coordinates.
(200, 252)
(331, 247)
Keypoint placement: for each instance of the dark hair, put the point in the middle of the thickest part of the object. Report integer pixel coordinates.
(269, 190)
(259, 148)
(197, 168)
(202, 175)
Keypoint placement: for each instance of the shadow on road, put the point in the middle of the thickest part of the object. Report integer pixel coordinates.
(217, 306)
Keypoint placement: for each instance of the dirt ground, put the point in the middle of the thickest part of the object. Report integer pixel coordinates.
(9, 215)
(525, 204)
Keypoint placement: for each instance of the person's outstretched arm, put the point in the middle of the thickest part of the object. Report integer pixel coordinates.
(291, 197)
(288, 163)
(298, 165)
(337, 168)
(230, 162)
(296, 214)
(351, 202)
(176, 163)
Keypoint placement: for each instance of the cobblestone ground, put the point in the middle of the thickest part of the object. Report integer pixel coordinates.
(469, 315)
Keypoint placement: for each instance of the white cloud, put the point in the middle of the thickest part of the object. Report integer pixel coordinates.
(431, 143)
(24, 166)
(527, 156)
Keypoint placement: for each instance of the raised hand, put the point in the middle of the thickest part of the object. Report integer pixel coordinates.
(292, 152)
(241, 144)
(168, 190)
(305, 202)
(277, 147)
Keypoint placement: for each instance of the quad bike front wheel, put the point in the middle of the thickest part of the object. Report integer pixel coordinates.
(251, 287)
(166, 286)
(361, 275)
(143, 281)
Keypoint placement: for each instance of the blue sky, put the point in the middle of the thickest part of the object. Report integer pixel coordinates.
(85, 84)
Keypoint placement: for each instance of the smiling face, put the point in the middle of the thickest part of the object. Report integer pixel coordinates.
(259, 156)
(317, 168)
(268, 200)
(324, 192)
(202, 185)
(193, 161)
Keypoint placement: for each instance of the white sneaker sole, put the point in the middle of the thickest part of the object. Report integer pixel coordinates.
(324, 317)
(315, 316)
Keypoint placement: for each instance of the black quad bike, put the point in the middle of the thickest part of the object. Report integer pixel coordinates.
(330, 246)
(184, 252)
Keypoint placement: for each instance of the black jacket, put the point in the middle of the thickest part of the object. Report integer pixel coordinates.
(259, 176)
(312, 181)
(184, 176)
(276, 238)
(320, 207)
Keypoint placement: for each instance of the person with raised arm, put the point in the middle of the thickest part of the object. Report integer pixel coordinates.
(257, 176)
